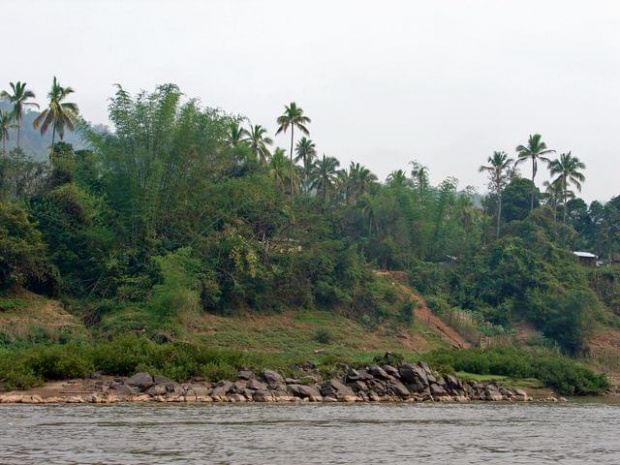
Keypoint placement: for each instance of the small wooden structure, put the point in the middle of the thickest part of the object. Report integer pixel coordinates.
(586, 258)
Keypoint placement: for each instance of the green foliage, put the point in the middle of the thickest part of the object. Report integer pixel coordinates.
(565, 376)
(179, 290)
(22, 251)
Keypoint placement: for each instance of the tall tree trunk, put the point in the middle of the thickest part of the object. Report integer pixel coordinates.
(292, 167)
(499, 211)
(19, 130)
(565, 198)
(533, 186)
(4, 146)
(53, 137)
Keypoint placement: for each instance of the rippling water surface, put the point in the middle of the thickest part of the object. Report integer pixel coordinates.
(447, 434)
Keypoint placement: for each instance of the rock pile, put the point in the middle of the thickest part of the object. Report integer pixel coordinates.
(404, 383)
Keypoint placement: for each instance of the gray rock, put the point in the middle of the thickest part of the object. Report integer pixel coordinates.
(169, 384)
(413, 374)
(399, 389)
(262, 396)
(142, 381)
(245, 375)
(437, 391)
(334, 388)
(256, 385)
(157, 390)
(271, 377)
(300, 390)
(359, 386)
(239, 386)
(378, 372)
(352, 375)
(390, 370)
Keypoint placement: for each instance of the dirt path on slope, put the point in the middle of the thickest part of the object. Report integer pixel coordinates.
(423, 313)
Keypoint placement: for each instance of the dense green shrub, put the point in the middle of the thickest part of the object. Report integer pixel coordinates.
(566, 376)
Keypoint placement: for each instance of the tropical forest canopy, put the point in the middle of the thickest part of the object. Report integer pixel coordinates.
(184, 208)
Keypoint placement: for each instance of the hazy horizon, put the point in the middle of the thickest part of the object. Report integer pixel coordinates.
(445, 83)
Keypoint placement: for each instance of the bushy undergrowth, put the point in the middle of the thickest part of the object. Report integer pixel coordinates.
(24, 368)
(565, 376)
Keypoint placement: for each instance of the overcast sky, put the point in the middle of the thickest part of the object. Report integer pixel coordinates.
(385, 82)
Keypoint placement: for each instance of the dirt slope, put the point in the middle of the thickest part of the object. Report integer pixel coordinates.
(423, 313)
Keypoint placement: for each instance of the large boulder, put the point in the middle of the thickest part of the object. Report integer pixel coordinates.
(245, 375)
(399, 389)
(334, 388)
(413, 374)
(437, 390)
(303, 391)
(169, 384)
(141, 381)
(256, 385)
(272, 377)
(378, 372)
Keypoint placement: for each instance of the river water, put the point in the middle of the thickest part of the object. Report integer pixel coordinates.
(447, 434)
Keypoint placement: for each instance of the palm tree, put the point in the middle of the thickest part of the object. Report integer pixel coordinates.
(278, 168)
(58, 114)
(325, 175)
(398, 178)
(293, 117)
(535, 150)
(6, 124)
(19, 97)
(567, 168)
(258, 142)
(499, 172)
(361, 179)
(306, 152)
(236, 134)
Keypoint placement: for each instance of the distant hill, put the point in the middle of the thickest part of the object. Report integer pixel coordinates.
(33, 143)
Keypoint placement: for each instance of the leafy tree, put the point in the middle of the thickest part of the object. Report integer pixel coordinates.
(59, 114)
(498, 169)
(535, 150)
(292, 118)
(515, 205)
(567, 169)
(23, 254)
(18, 97)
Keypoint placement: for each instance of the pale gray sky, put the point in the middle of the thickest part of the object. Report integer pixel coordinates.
(445, 82)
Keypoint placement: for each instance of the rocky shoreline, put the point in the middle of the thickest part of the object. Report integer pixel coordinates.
(403, 383)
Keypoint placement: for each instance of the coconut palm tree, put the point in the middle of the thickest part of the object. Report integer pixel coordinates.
(236, 134)
(361, 179)
(19, 97)
(325, 176)
(567, 168)
(279, 169)
(398, 178)
(59, 114)
(306, 152)
(6, 124)
(258, 141)
(499, 173)
(293, 117)
(535, 150)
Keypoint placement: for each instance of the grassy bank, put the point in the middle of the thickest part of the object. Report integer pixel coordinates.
(26, 367)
